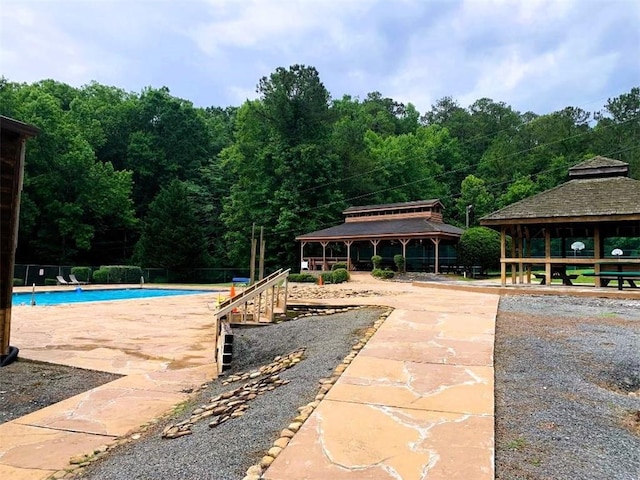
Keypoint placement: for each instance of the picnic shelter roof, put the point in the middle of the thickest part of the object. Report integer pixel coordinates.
(598, 191)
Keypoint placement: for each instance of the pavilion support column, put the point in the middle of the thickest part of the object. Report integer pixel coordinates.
(514, 240)
(520, 255)
(324, 255)
(527, 235)
(404, 242)
(436, 259)
(503, 256)
(348, 243)
(302, 244)
(597, 254)
(547, 255)
(375, 246)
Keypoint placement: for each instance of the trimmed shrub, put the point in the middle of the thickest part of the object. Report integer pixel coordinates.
(117, 274)
(82, 274)
(18, 282)
(377, 262)
(339, 275)
(327, 277)
(399, 261)
(338, 265)
(302, 278)
(50, 281)
(384, 274)
(479, 246)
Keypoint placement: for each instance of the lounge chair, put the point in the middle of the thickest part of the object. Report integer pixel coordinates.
(61, 280)
(75, 281)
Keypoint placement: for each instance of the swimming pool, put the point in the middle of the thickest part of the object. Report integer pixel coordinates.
(79, 295)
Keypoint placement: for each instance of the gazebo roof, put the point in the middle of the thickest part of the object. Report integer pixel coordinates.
(405, 227)
(593, 195)
(394, 206)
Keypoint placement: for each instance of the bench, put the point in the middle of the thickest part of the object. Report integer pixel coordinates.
(566, 279)
(621, 277)
(244, 281)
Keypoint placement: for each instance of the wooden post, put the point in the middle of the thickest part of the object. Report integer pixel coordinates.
(513, 255)
(252, 267)
(324, 255)
(597, 254)
(503, 256)
(520, 256)
(348, 244)
(375, 246)
(262, 245)
(527, 234)
(302, 244)
(547, 255)
(404, 242)
(436, 242)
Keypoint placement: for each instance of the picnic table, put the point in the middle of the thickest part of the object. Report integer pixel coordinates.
(556, 272)
(620, 275)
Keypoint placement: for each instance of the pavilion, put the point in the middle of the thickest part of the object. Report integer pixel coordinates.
(579, 223)
(414, 230)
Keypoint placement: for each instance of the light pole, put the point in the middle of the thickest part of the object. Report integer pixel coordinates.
(469, 208)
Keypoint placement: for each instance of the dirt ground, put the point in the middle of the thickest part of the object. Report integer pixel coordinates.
(27, 386)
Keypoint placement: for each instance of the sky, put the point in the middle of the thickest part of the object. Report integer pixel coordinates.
(534, 55)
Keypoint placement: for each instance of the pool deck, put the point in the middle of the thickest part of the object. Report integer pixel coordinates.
(416, 402)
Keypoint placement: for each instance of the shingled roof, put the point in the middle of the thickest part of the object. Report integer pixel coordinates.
(594, 193)
(404, 227)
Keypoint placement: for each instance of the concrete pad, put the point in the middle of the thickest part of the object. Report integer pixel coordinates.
(14, 473)
(104, 411)
(419, 386)
(33, 449)
(355, 441)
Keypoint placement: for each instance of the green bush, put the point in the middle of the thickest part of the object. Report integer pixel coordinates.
(377, 261)
(117, 274)
(479, 246)
(302, 278)
(339, 275)
(327, 277)
(50, 281)
(82, 274)
(384, 274)
(399, 261)
(18, 282)
(338, 265)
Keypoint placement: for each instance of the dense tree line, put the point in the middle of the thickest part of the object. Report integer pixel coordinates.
(118, 177)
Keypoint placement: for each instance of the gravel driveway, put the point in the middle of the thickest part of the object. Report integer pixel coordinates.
(567, 378)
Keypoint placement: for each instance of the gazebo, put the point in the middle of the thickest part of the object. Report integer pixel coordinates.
(13, 135)
(593, 221)
(414, 230)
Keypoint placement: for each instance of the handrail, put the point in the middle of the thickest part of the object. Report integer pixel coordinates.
(254, 290)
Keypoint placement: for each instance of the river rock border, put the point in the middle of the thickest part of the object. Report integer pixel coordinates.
(256, 471)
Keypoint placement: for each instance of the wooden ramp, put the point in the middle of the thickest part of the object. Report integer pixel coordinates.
(255, 305)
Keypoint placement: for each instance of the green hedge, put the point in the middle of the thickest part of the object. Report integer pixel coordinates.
(339, 265)
(302, 278)
(399, 261)
(82, 274)
(339, 275)
(18, 282)
(50, 281)
(117, 274)
(376, 260)
(384, 274)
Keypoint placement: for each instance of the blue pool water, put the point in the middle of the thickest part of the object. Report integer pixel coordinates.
(78, 295)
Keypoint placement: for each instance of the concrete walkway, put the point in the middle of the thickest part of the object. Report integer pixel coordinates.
(417, 402)
(163, 346)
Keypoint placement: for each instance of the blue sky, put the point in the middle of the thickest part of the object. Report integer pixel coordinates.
(536, 55)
